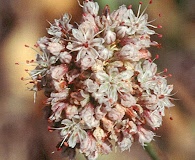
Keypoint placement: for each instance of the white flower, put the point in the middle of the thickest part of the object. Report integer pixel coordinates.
(58, 72)
(125, 144)
(113, 82)
(87, 62)
(87, 115)
(162, 92)
(109, 36)
(90, 7)
(65, 57)
(60, 26)
(89, 148)
(135, 24)
(57, 109)
(145, 136)
(119, 14)
(147, 71)
(89, 22)
(127, 100)
(116, 113)
(153, 118)
(105, 53)
(42, 42)
(85, 42)
(71, 111)
(55, 48)
(91, 86)
(73, 132)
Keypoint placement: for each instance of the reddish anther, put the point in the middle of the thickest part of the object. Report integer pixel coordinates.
(157, 56)
(59, 148)
(129, 7)
(160, 35)
(165, 70)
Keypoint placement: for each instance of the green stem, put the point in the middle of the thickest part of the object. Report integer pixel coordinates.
(150, 149)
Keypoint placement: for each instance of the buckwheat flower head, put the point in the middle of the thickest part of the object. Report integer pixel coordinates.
(103, 88)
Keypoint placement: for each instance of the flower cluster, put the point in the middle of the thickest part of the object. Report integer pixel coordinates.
(103, 88)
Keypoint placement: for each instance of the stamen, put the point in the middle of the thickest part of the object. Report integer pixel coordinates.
(139, 16)
(106, 11)
(80, 4)
(152, 26)
(140, 4)
(157, 57)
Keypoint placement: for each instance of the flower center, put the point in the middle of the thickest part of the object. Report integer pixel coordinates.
(86, 45)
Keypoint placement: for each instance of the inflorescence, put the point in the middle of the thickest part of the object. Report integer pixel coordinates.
(103, 88)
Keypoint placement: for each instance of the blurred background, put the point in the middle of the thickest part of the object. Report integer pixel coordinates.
(23, 128)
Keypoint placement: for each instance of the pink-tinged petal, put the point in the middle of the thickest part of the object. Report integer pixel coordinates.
(102, 76)
(109, 36)
(91, 8)
(87, 62)
(89, 35)
(65, 57)
(55, 48)
(116, 113)
(125, 144)
(91, 86)
(104, 87)
(97, 42)
(74, 46)
(145, 136)
(81, 54)
(78, 35)
(113, 95)
(154, 118)
(58, 72)
(127, 100)
(72, 141)
(92, 52)
(125, 75)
